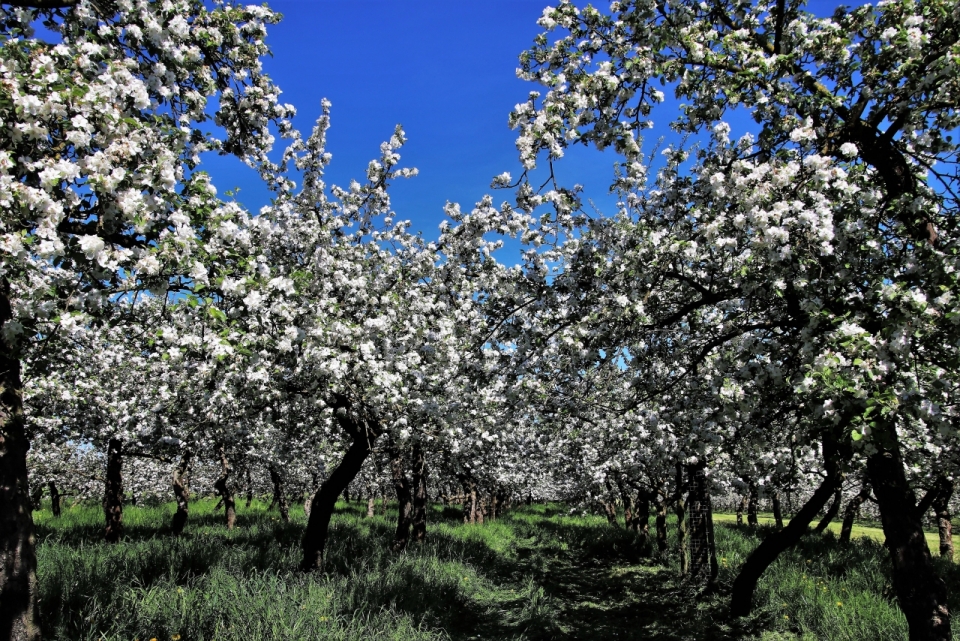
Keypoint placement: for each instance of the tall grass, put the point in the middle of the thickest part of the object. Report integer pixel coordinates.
(536, 573)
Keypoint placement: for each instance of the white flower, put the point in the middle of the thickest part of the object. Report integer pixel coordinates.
(91, 245)
(849, 149)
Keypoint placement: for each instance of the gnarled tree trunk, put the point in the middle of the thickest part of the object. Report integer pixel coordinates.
(181, 490)
(741, 601)
(401, 485)
(225, 490)
(113, 491)
(364, 430)
(419, 494)
(777, 511)
(19, 618)
(851, 511)
(941, 507)
(279, 498)
(54, 498)
(703, 553)
(920, 590)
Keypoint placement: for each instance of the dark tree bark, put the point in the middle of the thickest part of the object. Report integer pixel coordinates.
(851, 511)
(19, 618)
(642, 514)
(681, 509)
(249, 479)
(941, 507)
(921, 592)
(279, 498)
(741, 601)
(181, 490)
(364, 430)
(753, 505)
(703, 554)
(113, 492)
(470, 502)
(832, 511)
(629, 508)
(661, 523)
(225, 490)
(54, 498)
(741, 508)
(419, 494)
(401, 485)
(777, 511)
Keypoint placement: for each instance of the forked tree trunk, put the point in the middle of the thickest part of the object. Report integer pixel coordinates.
(920, 590)
(181, 491)
(279, 498)
(741, 599)
(941, 507)
(54, 498)
(225, 490)
(113, 492)
(364, 432)
(703, 554)
(19, 618)
(401, 485)
(419, 494)
(832, 511)
(851, 511)
(777, 511)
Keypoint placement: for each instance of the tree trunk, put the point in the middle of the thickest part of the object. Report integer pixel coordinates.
(741, 508)
(401, 485)
(113, 492)
(703, 556)
(249, 479)
(851, 511)
(371, 504)
(661, 523)
(19, 618)
(681, 509)
(364, 433)
(222, 485)
(54, 498)
(181, 491)
(941, 506)
(279, 498)
(642, 515)
(753, 506)
(470, 501)
(921, 592)
(832, 511)
(741, 600)
(419, 494)
(777, 511)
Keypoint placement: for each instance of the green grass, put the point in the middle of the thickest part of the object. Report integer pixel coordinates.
(873, 532)
(536, 573)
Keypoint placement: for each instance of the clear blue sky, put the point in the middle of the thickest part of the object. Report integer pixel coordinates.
(445, 71)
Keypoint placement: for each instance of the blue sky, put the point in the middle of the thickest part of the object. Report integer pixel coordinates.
(445, 71)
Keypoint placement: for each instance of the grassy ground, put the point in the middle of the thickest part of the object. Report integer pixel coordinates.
(537, 573)
(875, 533)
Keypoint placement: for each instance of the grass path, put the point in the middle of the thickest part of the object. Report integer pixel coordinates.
(875, 533)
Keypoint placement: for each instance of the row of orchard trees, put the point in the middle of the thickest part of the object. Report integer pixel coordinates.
(776, 307)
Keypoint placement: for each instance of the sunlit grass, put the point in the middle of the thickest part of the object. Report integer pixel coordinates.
(537, 573)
